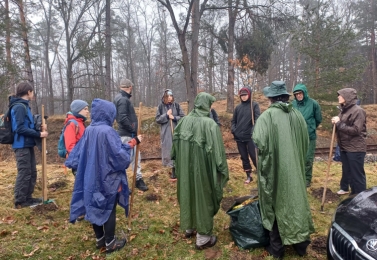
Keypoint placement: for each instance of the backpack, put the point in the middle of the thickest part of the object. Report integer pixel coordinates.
(6, 133)
(62, 151)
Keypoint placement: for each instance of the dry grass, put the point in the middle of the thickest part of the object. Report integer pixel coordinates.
(155, 235)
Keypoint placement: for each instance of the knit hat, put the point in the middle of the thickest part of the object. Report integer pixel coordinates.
(126, 83)
(78, 105)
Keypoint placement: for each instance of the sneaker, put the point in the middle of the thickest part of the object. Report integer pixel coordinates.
(25, 204)
(140, 184)
(210, 243)
(190, 234)
(342, 192)
(115, 245)
(307, 184)
(248, 180)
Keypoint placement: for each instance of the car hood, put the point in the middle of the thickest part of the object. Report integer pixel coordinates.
(358, 217)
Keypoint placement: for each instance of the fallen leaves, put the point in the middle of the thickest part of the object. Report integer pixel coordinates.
(8, 220)
(32, 252)
(212, 253)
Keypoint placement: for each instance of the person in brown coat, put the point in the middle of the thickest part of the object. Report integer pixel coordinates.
(351, 134)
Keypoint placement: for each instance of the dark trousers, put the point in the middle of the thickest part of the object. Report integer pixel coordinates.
(107, 229)
(276, 247)
(26, 174)
(245, 149)
(353, 173)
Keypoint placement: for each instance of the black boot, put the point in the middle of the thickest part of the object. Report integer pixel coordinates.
(172, 175)
(248, 177)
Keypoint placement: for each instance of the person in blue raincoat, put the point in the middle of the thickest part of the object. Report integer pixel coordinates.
(100, 160)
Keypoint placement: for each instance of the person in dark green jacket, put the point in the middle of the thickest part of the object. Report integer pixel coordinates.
(201, 169)
(311, 111)
(282, 140)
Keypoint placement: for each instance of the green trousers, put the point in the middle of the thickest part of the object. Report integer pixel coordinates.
(309, 161)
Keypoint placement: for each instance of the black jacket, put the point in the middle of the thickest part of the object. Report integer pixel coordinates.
(126, 116)
(242, 126)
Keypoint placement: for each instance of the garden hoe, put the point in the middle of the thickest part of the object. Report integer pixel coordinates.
(328, 167)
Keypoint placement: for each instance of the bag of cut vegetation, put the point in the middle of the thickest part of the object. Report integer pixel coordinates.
(246, 223)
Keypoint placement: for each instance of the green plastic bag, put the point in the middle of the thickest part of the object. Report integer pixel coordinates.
(246, 225)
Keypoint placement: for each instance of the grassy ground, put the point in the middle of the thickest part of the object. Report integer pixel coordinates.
(45, 233)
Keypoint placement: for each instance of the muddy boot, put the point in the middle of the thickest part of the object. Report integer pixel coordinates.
(248, 177)
(172, 175)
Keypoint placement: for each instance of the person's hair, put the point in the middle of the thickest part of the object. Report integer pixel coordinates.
(23, 89)
(166, 96)
(282, 98)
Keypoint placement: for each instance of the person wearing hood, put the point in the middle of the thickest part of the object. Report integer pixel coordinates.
(167, 116)
(282, 140)
(128, 125)
(201, 169)
(242, 130)
(73, 132)
(311, 111)
(351, 132)
(100, 160)
(23, 145)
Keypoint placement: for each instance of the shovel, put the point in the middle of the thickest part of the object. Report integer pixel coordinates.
(328, 167)
(135, 170)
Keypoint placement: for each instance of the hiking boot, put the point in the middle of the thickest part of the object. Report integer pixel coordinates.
(212, 241)
(115, 245)
(307, 184)
(342, 192)
(100, 243)
(173, 176)
(248, 179)
(35, 200)
(25, 204)
(140, 184)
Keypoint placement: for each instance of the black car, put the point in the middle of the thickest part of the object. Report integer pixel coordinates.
(353, 232)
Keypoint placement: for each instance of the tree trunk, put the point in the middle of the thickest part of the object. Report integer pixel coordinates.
(9, 67)
(108, 50)
(28, 69)
(230, 87)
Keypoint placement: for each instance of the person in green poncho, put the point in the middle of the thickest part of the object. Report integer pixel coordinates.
(311, 111)
(201, 169)
(282, 140)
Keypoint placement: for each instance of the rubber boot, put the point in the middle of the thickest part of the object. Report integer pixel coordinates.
(173, 176)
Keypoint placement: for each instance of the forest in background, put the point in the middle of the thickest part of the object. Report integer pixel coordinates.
(70, 49)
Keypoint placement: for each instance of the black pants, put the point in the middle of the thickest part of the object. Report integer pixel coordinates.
(107, 229)
(26, 174)
(245, 149)
(276, 247)
(353, 173)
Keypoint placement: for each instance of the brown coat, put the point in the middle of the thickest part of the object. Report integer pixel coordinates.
(351, 129)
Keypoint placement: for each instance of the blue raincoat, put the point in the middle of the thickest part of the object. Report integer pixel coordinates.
(100, 159)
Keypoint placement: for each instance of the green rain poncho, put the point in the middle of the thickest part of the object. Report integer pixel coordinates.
(282, 139)
(200, 166)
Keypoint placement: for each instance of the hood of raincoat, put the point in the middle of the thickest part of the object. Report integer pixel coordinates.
(248, 90)
(286, 107)
(349, 95)
(100, 159)
(301, 87)
(202, 104)
(103, 112)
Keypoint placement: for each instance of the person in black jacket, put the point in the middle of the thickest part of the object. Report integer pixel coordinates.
(242, 130)
(127, 125)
